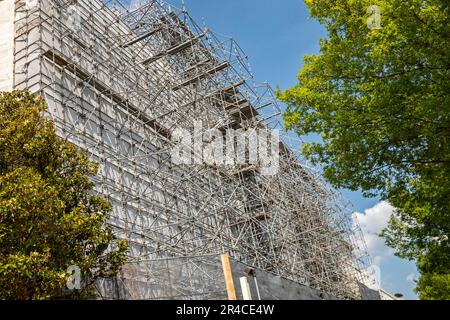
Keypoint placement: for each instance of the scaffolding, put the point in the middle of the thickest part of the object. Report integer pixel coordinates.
(119, 79)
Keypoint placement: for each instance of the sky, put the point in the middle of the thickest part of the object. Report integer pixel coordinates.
(276, 35)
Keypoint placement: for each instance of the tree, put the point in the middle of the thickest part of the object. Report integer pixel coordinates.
(49, 217)
(380, 100)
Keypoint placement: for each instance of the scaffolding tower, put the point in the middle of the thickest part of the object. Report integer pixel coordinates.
(119, 78)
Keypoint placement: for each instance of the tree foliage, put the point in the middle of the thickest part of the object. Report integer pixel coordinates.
(380, 100)
(49, 217)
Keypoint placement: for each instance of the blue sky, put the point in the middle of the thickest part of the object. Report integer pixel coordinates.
(276, 35)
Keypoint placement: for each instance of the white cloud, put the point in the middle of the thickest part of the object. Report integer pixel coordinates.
(411, 278)
(387, 267)
(372, 222)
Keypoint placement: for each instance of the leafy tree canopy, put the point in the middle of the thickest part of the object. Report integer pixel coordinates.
(380, 100)
(49, 217)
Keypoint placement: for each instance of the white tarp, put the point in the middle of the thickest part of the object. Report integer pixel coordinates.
(6, 44)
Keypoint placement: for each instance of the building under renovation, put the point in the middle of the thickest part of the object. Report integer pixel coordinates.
(120, 77)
